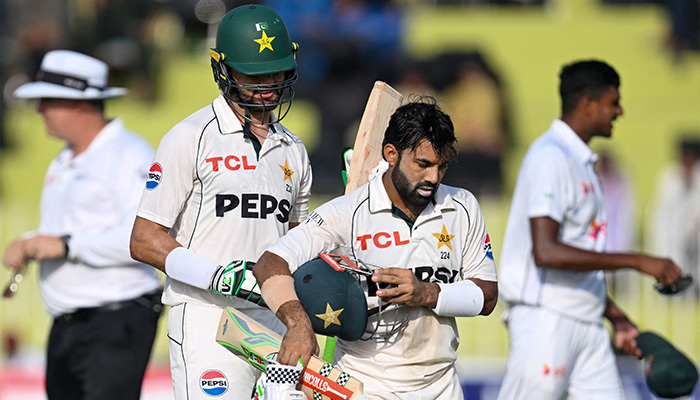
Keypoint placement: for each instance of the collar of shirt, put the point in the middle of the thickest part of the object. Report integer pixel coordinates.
(379, 200)
(109, 131)
(230, 124)
(563, 133)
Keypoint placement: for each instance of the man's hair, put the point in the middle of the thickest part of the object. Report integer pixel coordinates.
(585, 78)
(99, 105)
(422, 119)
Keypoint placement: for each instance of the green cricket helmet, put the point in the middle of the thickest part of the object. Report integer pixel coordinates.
(253, 40)
(334, 300)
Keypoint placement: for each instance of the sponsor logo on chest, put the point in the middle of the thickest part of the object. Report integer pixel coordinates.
(382, 240)
(231, 163)
(253, 205)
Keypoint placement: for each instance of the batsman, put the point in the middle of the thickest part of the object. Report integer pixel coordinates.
(226, 182)
(431, 257)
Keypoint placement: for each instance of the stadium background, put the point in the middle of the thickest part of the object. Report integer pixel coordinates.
(660, 95)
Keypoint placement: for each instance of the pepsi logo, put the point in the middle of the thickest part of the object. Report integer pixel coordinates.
(487, 247)
(155, 175)
(213, 382)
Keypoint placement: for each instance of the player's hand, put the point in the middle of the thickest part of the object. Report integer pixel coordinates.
(626, 337)
(406, 288)
(299, 343)
(236, 279)
(665, 271)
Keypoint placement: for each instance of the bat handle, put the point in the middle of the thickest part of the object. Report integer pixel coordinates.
(13, 285)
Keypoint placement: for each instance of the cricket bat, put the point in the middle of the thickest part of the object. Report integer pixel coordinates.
(259, 345)
(367, 151)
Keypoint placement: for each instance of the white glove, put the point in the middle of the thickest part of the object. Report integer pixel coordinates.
(279, 383)
(236, 279)
(379, 170)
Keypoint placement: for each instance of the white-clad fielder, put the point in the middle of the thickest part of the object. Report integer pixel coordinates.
(433, 243)
(551, 268)
(226, 183)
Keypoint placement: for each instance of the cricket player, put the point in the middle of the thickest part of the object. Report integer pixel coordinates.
(553, 259)
(433, 241)
(225, 184)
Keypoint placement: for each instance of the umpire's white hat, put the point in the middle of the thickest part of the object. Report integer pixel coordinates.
(66, 74)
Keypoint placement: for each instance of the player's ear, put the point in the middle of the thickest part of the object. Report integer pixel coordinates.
(589, 106)
(391, 155)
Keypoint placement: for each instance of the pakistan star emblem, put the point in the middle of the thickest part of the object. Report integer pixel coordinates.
(265, 42)
(444, 238)
(330, 317)
(287, 171)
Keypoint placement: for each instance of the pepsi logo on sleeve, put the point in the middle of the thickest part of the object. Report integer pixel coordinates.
(487, 247)
(155, 175)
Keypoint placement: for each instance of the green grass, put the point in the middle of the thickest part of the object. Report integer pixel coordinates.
(528, 47)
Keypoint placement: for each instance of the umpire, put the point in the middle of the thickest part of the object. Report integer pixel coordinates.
(105, 306)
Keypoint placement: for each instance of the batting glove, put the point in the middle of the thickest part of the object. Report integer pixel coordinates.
(236, 279)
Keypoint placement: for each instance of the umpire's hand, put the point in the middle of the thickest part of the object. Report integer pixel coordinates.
(39, 247)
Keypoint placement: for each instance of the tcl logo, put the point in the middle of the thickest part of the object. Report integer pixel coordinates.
(233, 163)
(253, 205)
(381, 240)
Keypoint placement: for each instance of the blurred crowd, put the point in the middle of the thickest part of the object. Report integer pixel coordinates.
(341, 57)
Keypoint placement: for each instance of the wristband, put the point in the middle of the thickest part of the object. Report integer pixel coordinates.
(459, 299)
(189, 267)
(65, 239)
(277, 290)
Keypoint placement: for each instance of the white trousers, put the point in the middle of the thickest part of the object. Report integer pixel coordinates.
(554, 357)
(445, 388)
(200, 367)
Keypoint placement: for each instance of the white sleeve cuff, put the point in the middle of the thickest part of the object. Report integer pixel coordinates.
(459, 299)
(189, 267)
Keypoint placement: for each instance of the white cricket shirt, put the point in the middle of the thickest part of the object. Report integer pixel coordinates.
(556, 180)
(448, 241)
(220, 201)
(94, 197)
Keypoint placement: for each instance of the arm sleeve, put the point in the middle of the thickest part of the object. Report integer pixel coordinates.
(547, 193)
(477, 257)
(176, 157)
(322, 231)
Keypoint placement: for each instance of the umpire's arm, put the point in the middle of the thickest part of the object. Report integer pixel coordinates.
(277, 287)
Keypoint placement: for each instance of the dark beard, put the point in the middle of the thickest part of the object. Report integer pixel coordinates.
(408, 193)
(253, 107)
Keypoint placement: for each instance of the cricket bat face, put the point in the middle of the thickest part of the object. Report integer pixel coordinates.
(367, 150)
(260, 346)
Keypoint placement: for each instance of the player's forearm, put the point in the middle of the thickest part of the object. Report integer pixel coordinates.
(561, 256)
(299, 343)
(277, 287)
(550, 252)
(490, 289)
(151, 243)
(613, 313)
